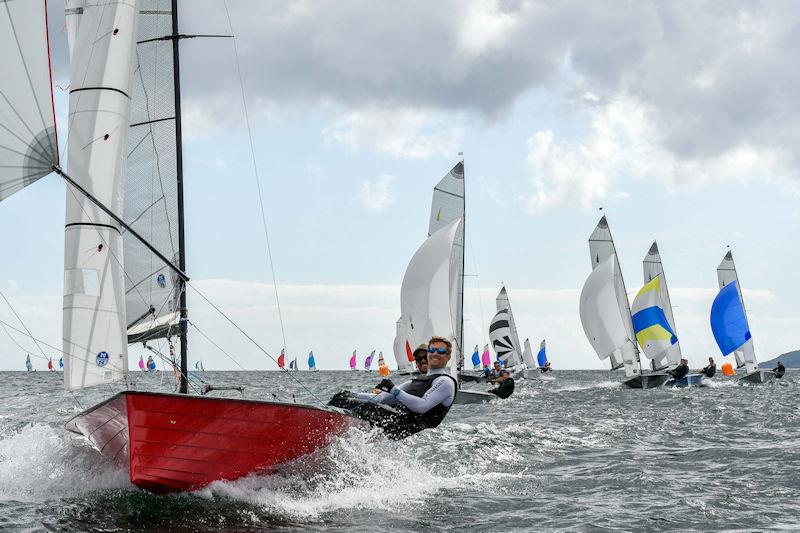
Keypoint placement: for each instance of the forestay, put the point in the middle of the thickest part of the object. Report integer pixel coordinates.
(653, 268)
(427, 294)
(727, 275)
(28, 143)
(102, 40)
(601, 247)
(600, 316)
(152, 289)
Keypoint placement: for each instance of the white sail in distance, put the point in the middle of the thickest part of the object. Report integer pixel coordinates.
(401, 338)
(527, 355)
(653, 268)
(103, 42)
(601, 319)
(502, 302)
(447, 205)
(601, 247)
(426, 295)
(726, 274)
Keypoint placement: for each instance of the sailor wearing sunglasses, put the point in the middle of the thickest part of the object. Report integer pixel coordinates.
(412, 406)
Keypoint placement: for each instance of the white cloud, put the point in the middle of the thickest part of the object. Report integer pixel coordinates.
(402, 133)
(376, 195)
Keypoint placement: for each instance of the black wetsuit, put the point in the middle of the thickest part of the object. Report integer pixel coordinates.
(709, 371)
(397, 421)
(679, 372)
(779, 370)
(505, 389)
(545, 369)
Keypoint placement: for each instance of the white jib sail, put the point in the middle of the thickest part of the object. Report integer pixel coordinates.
(399, 346)
(426, 295)
(94, 283)
(652, 268)
(726, 273)
(502, 302)
(28, 147)
(527, 355)
(602, 322)
(447, 205)
(601, 247)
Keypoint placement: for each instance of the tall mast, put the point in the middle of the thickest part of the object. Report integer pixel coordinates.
(460, 364)
(184, 316)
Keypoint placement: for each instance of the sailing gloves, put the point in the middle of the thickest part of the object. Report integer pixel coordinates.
(385, 385)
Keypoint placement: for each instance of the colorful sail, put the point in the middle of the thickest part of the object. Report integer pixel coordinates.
(402, 351)
(151, 364)
(541, 357)
(726, 275)
(293, 364)
(728, 321)
(476, 359)
(61, 362)
(368, 360)
(653, 268)
(486, 357)
(381, 360)
(653, 331)
(282, 359)
(141, 363)
(353, 362)
(500, 336)
(50, 365)
(312, 363)
(28, 363)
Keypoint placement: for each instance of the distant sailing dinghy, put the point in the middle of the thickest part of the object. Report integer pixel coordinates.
(124, 257)
(368, 361)
(504, 337)
(730, 326)
(540, 363)
(606, 316)
(312, 363)
(28, 364)
(353, 362)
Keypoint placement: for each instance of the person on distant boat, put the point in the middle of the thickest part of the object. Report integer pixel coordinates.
(680, 371)
(506, 385)
(779, 370)
(405, 409)
(711, 369)
(546, 368)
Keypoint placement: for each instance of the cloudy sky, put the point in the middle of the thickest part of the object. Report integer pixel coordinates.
(679, 118)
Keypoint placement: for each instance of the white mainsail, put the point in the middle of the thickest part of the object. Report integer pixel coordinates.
(527, 355)
(726, 274)
(601, 247)
(104, 38)
(426, 293)
(447, 205)
(601, 319)
(654, 269)
(502, 302)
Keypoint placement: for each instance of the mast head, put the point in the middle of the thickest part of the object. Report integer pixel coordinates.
(729, 256)
(653, 248)
(603, 223)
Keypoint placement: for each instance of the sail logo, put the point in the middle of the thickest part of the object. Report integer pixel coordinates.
(161, 279)
(102, 359)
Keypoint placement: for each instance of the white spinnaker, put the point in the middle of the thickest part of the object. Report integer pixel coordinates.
(502, 302)
(94, 281)
(726, 273)
(652, 267)
(602, 322)
(426, 296)
(401, 337)
(28, 146)
(447, 205)
(527, 355)
(601, 247)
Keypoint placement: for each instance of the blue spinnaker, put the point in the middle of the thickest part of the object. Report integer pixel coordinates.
(476, 359)
(728, 321)
(311, 362)
(541, 357)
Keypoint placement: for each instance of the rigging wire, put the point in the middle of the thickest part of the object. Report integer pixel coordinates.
(255, 173)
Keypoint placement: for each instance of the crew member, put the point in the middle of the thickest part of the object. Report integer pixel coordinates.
(408, 408)
(680, 371)
(546, 367)
(711, 369)
(497, 367)
(779, 370)
(506, 385)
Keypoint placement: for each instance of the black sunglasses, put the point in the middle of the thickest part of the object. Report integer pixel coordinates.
(440, 351)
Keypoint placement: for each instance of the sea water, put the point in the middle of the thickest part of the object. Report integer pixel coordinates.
(579, 453)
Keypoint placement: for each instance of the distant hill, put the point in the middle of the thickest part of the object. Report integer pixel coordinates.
(789, 360)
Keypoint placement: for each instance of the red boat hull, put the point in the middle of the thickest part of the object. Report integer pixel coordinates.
(173, 442)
